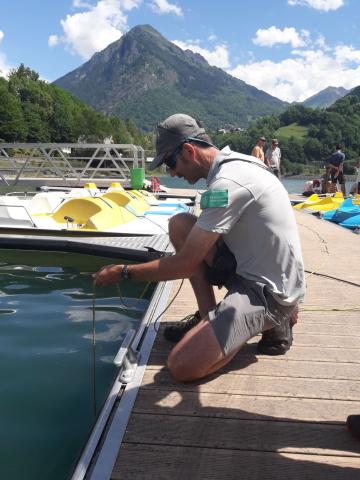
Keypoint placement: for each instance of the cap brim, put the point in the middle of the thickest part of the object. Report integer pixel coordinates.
(157, 161)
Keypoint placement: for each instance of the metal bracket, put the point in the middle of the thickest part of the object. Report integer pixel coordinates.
(127, 358)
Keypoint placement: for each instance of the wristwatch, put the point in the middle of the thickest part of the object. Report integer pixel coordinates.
(125, 274)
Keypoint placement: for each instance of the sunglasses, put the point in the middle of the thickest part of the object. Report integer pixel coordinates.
(170, 160)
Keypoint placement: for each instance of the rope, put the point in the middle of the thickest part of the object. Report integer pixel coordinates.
(349, 308)
(94, 334)
(94, 348)
(156, 326)
(337, 279)
(326, 250)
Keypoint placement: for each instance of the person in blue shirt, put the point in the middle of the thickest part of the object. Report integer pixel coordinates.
(335, 169)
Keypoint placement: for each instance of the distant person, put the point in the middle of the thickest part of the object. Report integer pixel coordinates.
(258, 150)
(357, 181)
(273, 157)
(310, 187)
(325, 182)
(335, 168)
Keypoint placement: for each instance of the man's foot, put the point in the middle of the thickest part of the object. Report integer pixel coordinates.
(275, 341)
(174, 333)
(278, 340)
(353, 425)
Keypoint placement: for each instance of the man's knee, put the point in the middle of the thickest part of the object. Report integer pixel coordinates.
(178, 369)
(180, 226)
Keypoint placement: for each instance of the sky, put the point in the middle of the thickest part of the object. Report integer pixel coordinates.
(291, 49)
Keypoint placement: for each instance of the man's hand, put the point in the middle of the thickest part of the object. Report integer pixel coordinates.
(108, 275)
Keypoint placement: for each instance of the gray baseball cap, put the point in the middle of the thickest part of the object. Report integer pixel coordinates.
(171, 133)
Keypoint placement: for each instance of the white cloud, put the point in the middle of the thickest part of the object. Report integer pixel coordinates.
(218, 57)
(95, 28)
(273, 36)
(4, 66)
(304, 74)
(53, 40)
(163, 6)
(324, 5)
(81, 4)
(347, 54)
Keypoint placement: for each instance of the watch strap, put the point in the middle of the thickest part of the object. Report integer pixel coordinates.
(125, 274)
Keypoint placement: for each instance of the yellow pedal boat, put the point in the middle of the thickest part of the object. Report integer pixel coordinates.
(321, 204)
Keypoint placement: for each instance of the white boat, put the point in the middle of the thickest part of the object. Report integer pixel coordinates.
(89, 211)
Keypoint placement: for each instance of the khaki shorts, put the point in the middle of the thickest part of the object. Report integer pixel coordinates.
(246, 310)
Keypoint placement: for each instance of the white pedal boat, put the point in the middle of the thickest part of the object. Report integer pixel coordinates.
(87, 211)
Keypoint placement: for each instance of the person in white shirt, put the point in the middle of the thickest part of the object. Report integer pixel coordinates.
(273, 157)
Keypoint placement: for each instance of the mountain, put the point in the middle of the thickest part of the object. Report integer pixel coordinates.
(354, 92)
(144, 77)
(325, 98)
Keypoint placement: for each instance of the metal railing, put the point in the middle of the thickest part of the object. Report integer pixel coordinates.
(72, 163)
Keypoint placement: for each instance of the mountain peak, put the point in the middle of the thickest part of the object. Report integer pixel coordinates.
(145, 77)
(325, 97)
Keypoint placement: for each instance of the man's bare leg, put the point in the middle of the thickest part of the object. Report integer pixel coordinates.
(198, 354)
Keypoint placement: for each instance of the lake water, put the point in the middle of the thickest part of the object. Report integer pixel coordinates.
(50, 386)
(291, 185)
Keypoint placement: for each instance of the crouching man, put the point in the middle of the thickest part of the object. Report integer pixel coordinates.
(248, 224)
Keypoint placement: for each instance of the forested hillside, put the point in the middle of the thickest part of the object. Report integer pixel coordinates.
(307, 136)
(32, 110)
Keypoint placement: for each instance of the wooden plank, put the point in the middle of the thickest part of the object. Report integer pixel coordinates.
(270, 366)
(228, 433)
(179, 463)
(337, 330)
(328, 330)
(300, 352)
(258, 385)
(342, 341)
(227, 405)
(330, 318)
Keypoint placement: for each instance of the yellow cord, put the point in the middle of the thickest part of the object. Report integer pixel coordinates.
(326, 250)
(350, 308)
(94, 348)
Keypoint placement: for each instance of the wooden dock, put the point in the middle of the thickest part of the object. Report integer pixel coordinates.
(262, 418)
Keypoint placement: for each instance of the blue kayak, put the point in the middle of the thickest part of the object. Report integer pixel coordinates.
(344, 212)
(352, 222)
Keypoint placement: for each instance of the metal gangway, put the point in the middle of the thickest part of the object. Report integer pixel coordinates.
(71, 164)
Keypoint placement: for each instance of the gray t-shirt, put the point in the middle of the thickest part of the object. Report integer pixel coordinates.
(257, 224)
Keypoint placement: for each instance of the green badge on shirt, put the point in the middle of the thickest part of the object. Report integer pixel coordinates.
(214, 198)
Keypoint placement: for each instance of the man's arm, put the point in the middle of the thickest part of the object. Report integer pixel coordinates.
(256, 152)
(181, 265)
(334, 167)
(267, 157)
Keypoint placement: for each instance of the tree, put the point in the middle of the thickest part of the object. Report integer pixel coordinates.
(12, 125)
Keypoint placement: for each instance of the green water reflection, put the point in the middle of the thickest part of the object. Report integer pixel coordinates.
(47, 396)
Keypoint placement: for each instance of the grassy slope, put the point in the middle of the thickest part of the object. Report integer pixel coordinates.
(293, 130)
